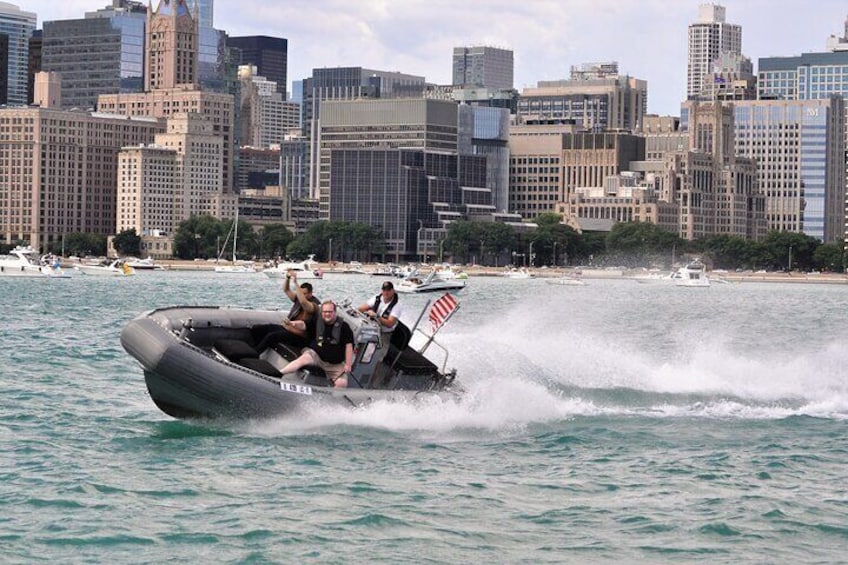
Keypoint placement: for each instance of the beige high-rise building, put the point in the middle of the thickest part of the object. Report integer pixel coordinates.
(58, 171)
(171, 39)
(177, 177)
(595, 98)
(172, 81)
(147, 182)
(709, 37)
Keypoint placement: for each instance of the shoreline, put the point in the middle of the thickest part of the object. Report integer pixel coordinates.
(540, 272)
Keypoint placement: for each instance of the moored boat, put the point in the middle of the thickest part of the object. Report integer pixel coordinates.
(146, 264)
(430, 283)
(306, 269)
(693, 274)
(201, 362)
(116, 268)
(24, 261)
(518, 273)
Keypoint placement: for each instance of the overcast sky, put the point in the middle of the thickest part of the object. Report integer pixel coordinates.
(646, 37)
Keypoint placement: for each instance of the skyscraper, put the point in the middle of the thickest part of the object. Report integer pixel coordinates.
(483, 66)
(102, 53)
(709, 37)
(18, 26)
(268, 54)
(171, 80)
(171, 54)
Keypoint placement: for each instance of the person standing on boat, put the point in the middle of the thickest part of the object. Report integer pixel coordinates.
(331, 347)
(304, 306)
(384, 308)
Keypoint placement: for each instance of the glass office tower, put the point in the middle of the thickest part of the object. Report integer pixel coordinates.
(18, 26)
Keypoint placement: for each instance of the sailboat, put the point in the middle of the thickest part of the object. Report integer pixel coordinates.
(235, 268)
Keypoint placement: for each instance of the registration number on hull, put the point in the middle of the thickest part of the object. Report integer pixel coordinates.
(296, 388)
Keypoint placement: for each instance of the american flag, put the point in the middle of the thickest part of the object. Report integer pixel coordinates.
(441, 311)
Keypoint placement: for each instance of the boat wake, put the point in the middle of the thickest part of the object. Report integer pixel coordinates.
(567, 372)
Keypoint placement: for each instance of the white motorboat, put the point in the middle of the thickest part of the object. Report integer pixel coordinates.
(235, 269)
(518, 273)
(307, 269)
(693, 274)
(116, 268)
(146, 264)
(26, 262)
(430, 283)
(449, 273)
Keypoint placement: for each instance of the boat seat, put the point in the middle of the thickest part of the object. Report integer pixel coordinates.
(285, 351)
(401, 336)
(260, 331)
(411, 362)
(260, 366)
(235, 349)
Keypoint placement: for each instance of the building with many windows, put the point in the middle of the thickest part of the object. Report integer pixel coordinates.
(17, 26)
(481, 65)
(799, 149)
(268, 54)
(595, 102)
(58, 171)
(405, 191)
(266, 117)
(102, 53)
(709, 37)
(346, 83)
(414, 123)
(171, 73)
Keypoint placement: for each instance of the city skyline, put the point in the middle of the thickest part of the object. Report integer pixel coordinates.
(547, 38)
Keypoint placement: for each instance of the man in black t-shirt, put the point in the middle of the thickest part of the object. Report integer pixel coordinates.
(331, 347)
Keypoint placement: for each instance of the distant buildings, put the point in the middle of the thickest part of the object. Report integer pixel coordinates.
(16, 27)
(265, 117)
(709, 37)
(58, 171)
(268, 54)
(601, 100)
(799, 149)
(480, 65)
(171, 81)
(102, 53)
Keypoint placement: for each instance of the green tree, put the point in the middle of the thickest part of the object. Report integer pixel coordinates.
(783, 247)
(82, 244)
(497, 239)
(730, 251)
(462, 236)
(128, 242)
(200, 237)
(830, 257)
(640, 243)
(274, 239)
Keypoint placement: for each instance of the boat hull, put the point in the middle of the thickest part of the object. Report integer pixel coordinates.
(435, 286)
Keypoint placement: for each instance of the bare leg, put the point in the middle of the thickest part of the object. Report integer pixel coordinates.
(302, 361)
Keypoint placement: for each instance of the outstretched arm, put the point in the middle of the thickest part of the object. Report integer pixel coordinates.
(287, 287)
(308, 305)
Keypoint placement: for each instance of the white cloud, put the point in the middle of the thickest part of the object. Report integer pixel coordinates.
(647, 37)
